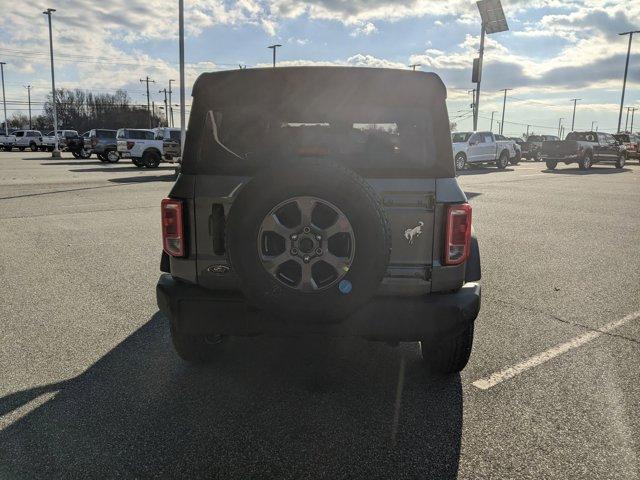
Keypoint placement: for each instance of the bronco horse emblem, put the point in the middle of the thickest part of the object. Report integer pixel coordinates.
(412, 233)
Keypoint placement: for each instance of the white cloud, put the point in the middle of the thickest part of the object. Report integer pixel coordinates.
(364, 30)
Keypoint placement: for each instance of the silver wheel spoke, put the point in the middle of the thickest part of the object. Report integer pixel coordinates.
(307, 283)
(341, 264)
(341, 226)
(271, 264)
(306, 206)
(272, 224)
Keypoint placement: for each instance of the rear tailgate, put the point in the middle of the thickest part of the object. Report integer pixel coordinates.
(559, 148)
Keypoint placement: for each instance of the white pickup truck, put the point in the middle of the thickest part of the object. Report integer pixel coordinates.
(7, 142)
(49, 139)
(141, 146)
(481, 147)
(24, 139)
(170, 143)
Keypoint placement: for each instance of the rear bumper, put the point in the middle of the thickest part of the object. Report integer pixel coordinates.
(561, 158)
(195, 310)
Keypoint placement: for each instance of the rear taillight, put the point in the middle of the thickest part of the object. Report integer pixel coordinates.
(130, 145)
(458, 234)
(173, 241)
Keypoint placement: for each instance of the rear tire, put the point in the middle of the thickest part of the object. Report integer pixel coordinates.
(112, 156)
(461, 162)
(551, 165)
(449, 356)
(137, 162)
(536, 156)
(503, 160)
(621, 160)
(151, 159)
(33, 147)
(585, 163)
(195, 348)
(75, 154)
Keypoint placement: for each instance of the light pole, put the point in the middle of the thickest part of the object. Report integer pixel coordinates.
(626, 69)
(560, 127)
(56, 148)
(183, 127)
(633, 112)
(491, 127)
(504, 106)
(573, 119)
(147, 80)
(415, 65)
(28, 87)
(166, 110)
(626, 122)
(171, 104)
(274, 48)
(4, 100)
(493, 21)
(594, 121)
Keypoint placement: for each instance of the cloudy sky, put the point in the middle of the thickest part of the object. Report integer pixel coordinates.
(555, 50)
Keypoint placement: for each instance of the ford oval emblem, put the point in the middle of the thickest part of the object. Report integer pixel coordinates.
(218, 269)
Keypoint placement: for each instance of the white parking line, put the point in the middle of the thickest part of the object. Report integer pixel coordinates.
(510, 372)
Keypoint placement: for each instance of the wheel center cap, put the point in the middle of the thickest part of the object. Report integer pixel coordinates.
(306, 245)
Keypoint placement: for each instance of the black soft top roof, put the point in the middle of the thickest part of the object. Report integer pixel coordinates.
(377, 86)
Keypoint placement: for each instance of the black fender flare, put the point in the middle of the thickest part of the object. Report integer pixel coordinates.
(473, 272)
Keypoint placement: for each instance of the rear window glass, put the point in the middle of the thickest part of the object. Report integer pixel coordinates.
(105, 133)
(622, 138)
(535, 138)
(175, 135)
(136, 134)
(460, 137)
(582, 136)
(374, 137)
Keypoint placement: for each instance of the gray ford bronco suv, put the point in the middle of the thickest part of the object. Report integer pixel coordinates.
(320, 201)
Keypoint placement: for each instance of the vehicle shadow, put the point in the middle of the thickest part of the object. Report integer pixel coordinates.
(169, 177)
(481, 170)
(602, 170)
(471, 195)
(267, 408)
(122, 168)
(74, 163)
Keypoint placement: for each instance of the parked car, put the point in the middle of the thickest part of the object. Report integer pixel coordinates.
(631, 142)
(24, 139)
(7, 142)
(170, 142)
(510, 145)
(519, 143)
(585, 149)
(49, 140)
(531, 149)
(75, 145)
(141, 146)
(480, 147)
(339, 226)
(103, 143)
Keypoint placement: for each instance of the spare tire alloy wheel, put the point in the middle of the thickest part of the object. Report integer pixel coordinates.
(309, 243)
(306, 257)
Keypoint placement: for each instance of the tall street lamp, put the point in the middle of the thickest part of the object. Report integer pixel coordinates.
(626, 69)
(56, 150)
(573, 118)
(274, 48)
(4, 100)
(493, 21)
(170, 104)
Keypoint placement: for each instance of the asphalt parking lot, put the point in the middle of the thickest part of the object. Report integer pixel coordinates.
(91, 387)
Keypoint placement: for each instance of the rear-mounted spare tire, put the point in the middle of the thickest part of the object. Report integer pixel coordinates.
(310, 241)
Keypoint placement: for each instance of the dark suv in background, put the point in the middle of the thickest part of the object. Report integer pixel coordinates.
(320, 200)
(585, 149)
(103, 143)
